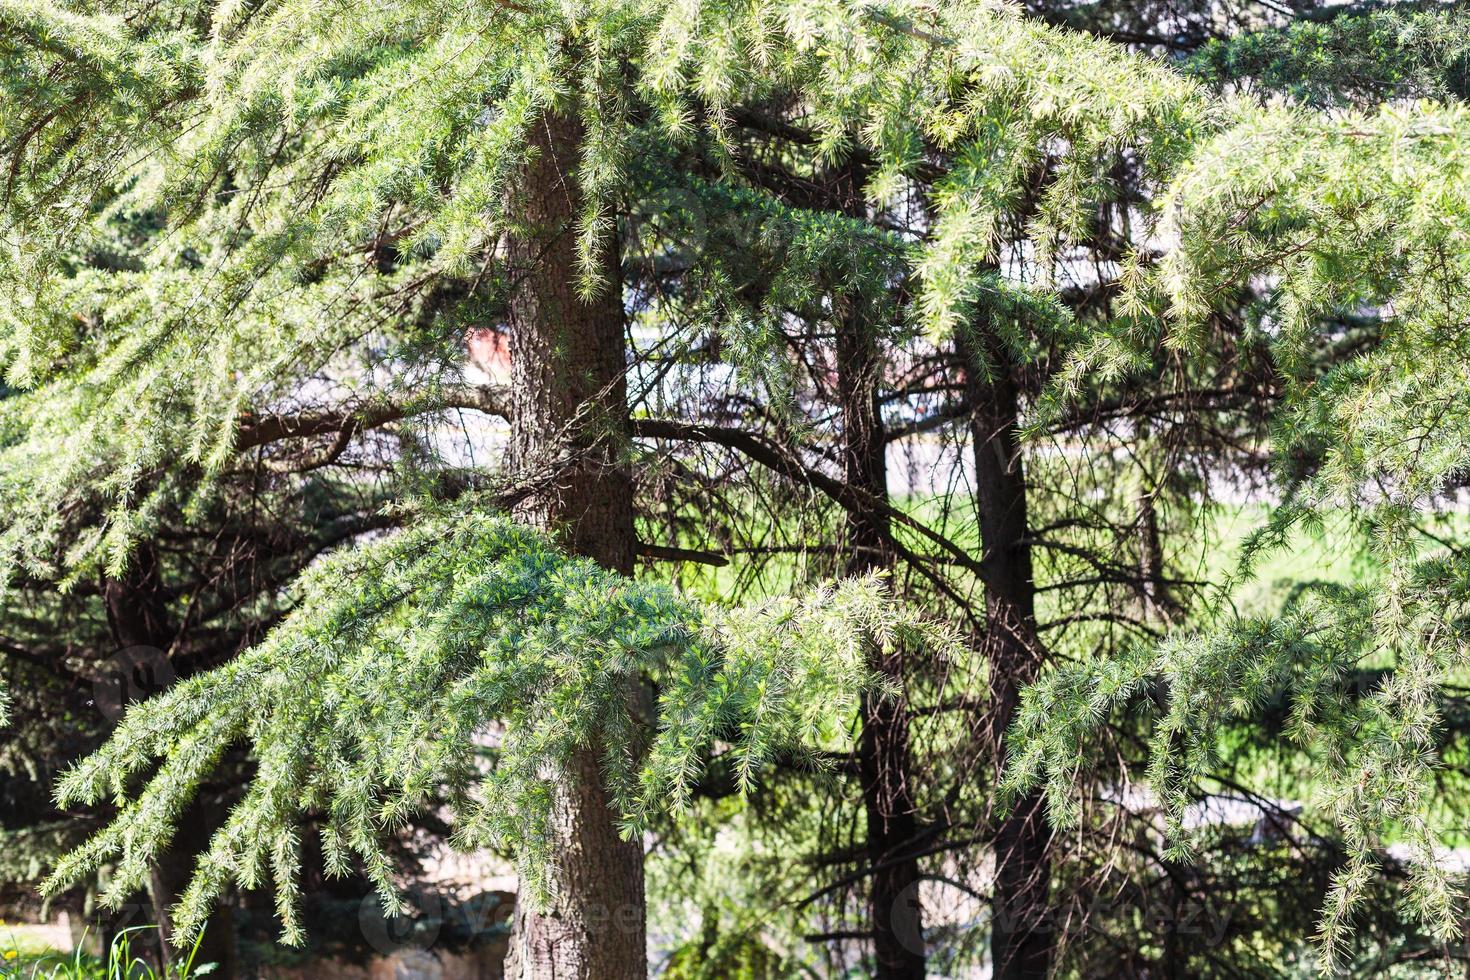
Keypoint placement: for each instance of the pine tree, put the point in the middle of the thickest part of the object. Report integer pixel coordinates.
(1346, 217)
(321, 145)
(885, 767)
(338, 198)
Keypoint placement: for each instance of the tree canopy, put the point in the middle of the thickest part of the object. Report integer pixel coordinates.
(1120, 273)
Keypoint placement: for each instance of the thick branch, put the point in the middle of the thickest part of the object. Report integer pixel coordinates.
(260, 430)
(660, 552)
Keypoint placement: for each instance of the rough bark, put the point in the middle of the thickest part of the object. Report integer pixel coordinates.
(170, 877)
(569, 455)
(1020, 936)
(894, 912)
(137, 611)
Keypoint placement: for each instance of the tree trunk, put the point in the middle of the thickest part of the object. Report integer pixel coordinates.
(1020, 925)
(569, 454)
(170, 877)
(137, 611)
(894, 913)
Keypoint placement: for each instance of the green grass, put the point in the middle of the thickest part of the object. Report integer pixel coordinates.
(1335, 553)
(21, 959)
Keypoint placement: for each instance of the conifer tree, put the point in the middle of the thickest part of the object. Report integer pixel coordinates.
(214, 582)
(1327, 232)
(338, 198)
(262, 196)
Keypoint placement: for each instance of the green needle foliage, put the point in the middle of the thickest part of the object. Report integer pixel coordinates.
(289, 155)
(465, 659)
(1355, 223)
(208, 205)
(1402, 50)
